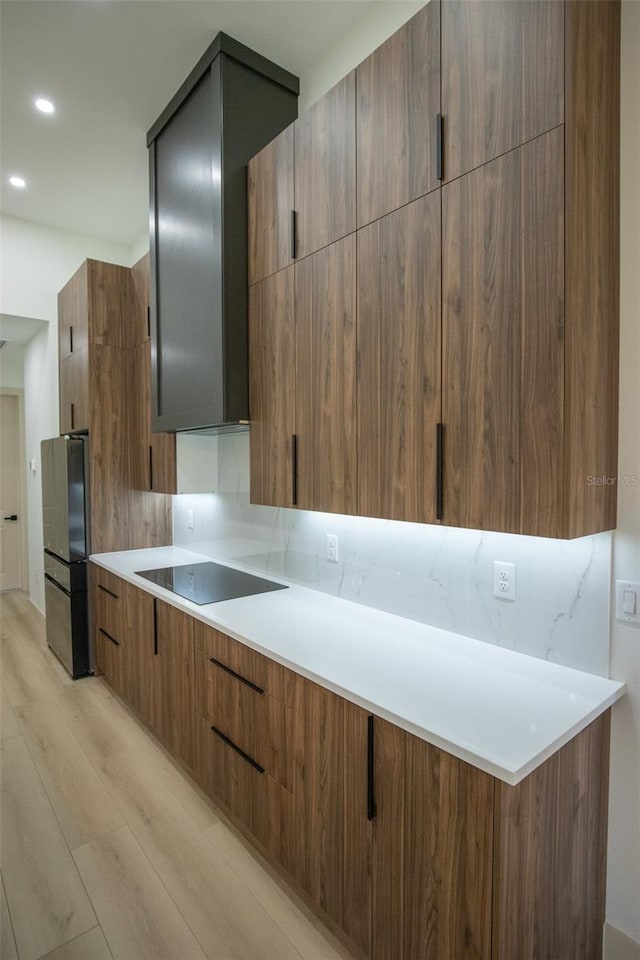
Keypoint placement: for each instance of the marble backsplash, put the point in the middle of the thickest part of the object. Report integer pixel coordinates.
(437, 575)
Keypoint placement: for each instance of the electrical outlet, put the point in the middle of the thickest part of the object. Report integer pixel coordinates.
(331, 548)
(190, 519)
(504, 580)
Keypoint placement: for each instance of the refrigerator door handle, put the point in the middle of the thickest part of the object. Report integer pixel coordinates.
(56, 584)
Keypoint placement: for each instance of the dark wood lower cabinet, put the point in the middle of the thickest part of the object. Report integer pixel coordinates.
(174, 715)
(413, 853)
(432, 852)
(319, 821)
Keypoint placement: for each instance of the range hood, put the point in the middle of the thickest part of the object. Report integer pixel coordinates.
(232, 104)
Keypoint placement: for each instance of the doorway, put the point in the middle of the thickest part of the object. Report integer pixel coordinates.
(12, 494)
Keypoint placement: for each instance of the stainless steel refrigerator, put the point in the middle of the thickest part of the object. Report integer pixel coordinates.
(65, 510)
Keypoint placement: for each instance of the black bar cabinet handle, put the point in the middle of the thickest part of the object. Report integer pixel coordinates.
(439, 470)
(237, 676)
(294, 469)
(155, 627)
(110, 592)
(109, 637)
(241, 753)
(439, 145)
(293, 233)
(150, 468)
(148, 321)
(371, 800)
(72, 411)
(71, 339)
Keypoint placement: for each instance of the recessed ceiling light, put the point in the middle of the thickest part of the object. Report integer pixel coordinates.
(45, 106)
(18, 182)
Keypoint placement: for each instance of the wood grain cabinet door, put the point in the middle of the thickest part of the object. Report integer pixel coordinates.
(432, 852)
(73, 314)
(319, 821)
(270, 202)
(325, 169)
(74, 391)
(272, 389)
(398, 102)
(152, 456)
(173, 695)
(503, 342)
(502, 77)
(326, 379)
(399, 363)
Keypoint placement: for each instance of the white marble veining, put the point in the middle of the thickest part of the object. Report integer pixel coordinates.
(499, 710)
(441, 576)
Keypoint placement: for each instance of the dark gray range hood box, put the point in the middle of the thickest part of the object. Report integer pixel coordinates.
(231, 105)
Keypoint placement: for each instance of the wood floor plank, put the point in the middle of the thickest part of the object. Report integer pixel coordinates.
(192, 801)
(103, 727)
(310, 937)
(8, 950)
(107, 729)
(224, 915)
(9, 726)
(138, 917)
(88, 946)
(46, 898)
(82, 804)
(23, 680)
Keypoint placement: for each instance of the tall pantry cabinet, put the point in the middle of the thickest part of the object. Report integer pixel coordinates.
(486, 278)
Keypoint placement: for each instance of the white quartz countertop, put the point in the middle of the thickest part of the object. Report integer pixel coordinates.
(501, 711)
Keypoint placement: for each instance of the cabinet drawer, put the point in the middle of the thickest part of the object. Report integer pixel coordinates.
(109, 603)
(109, 658)
(262, 672)
(255, 721)
(254, 798)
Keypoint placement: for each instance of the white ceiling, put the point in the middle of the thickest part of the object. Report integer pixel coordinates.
(111, 66)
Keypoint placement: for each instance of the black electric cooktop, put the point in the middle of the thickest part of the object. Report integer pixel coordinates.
(209, 582)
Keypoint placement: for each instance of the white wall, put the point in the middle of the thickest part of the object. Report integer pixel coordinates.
(11, 374)
(623, 880)
(36, 263)
(353, 47)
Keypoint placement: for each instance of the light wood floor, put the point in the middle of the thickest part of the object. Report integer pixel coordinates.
(108, 850)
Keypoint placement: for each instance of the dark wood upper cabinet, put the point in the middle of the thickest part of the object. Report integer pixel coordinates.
(398, 102)
(503, 342)
(325, 304)
(152, 456)
(325, 169)
(271, 200)
(272, 389)
(502, 77)
(74, 392)
(399, 363)
(230, 106)
(510, 343)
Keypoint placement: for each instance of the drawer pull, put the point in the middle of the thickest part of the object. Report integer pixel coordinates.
(371, 798)
(109, 637)
(237, 676)
(241, 753)
(110, 592)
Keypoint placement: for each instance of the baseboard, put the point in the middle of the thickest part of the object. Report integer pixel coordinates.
(36, 606)
(618, 946)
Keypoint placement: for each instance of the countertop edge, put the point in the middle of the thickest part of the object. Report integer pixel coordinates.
(510, 775)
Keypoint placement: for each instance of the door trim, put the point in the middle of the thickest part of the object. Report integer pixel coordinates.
(22, 485)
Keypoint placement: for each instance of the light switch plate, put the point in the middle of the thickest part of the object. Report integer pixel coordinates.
(628, 601)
